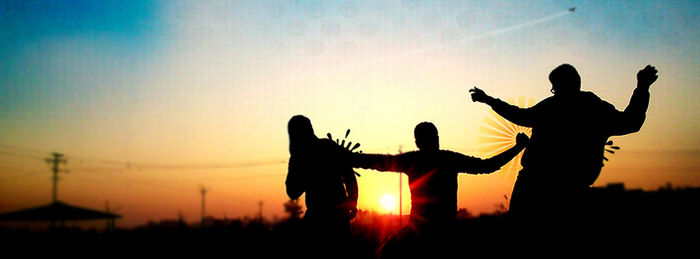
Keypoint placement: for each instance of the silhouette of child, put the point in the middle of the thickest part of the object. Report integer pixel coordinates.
(432, 177)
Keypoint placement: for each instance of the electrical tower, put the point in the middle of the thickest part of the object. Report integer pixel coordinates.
(110, 221)
(54, 162)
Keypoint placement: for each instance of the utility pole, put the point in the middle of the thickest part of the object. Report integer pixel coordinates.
(110, 220)
(203, 191)
(108, 226)
(400, 192)
(260, 215)
(54, 162)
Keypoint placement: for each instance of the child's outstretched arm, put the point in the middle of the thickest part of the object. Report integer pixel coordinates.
(377, 162)
(494, 163)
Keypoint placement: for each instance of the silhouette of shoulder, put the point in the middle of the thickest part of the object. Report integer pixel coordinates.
(584, 100)
(443, 159)
(331, 153)
(601, 105)
(328, 145)
(441, 156)
(447, 154)
(592, 98)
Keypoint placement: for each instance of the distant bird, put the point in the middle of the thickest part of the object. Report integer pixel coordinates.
(572, 9)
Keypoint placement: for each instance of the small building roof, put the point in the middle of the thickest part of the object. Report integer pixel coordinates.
(57, 211)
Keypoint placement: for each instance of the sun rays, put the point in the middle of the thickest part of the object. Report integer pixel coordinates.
(497, 135)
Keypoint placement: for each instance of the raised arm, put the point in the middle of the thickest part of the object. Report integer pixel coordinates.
(522, 116)
(632, 118)
(494, 163)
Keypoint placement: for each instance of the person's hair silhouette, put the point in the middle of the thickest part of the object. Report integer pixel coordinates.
(565, 80)
(426, 136)
(320, 168)
(569, 132)
(301, 134)
(432, 177)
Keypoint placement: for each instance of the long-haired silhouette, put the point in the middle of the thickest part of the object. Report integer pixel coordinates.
(320, 169)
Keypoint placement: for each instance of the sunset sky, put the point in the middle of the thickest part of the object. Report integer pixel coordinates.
(151, 100)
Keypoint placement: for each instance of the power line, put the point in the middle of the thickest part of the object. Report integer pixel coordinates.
(136, 182)
(26, 150)
(7, 153)
(123, 166)
(249, 177)
(15, 168)
(137, 165)
(95, 169)
(21, 177)
(153, 183)
(158, 184)
(205, 166)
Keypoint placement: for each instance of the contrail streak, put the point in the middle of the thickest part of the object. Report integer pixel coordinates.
(470, 39)
(440, 46)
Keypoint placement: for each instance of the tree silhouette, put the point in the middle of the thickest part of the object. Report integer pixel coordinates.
(293, 208)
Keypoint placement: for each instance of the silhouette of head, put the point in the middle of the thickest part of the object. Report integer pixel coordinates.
(427, 138)
(565, 80)
(301, 133)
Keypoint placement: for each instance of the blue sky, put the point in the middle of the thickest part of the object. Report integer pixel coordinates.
(192, 82)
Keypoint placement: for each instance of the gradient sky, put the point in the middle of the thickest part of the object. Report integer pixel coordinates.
(149, 100)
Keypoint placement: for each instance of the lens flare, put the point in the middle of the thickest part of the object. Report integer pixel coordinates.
(497, 135)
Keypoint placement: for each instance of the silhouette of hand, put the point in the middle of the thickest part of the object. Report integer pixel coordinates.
(342, 144)
(478, 95)
(521, 139)
(646, 77)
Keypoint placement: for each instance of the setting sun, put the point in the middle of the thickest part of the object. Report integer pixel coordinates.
(148, 101)
(388, 202)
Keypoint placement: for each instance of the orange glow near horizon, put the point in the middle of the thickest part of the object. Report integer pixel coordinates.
(187, 95)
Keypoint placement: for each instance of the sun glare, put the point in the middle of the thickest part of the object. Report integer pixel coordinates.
(388, 202)
(497, 135)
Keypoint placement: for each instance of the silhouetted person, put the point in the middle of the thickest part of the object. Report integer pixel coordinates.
(432, 177)
(320, 168)
(569, 132)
